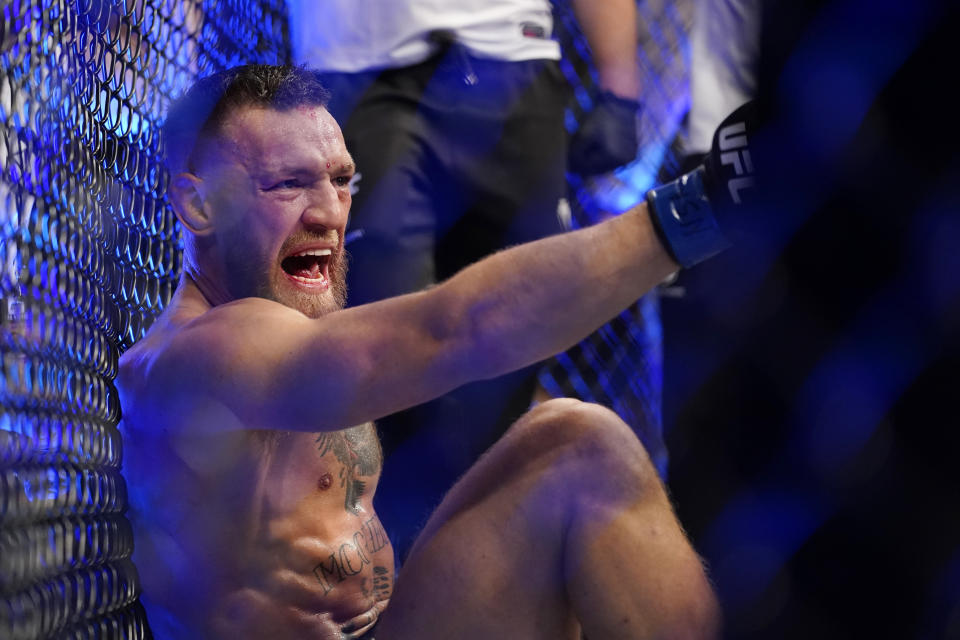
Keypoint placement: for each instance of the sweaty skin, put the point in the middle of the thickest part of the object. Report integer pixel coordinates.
(245, 532)
(250, 494)
(238, 540)
(249, 533)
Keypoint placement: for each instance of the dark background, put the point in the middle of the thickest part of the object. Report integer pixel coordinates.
(811, 373)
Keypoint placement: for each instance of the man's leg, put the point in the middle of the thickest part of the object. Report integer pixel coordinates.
(563, 521)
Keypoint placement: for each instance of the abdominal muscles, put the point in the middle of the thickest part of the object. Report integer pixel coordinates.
(254, 535)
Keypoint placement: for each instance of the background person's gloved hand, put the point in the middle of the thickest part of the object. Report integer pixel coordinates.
(607, 137)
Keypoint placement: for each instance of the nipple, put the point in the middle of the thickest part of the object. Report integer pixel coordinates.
(324, 482)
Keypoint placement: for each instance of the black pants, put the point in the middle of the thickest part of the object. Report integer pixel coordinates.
(459, 157)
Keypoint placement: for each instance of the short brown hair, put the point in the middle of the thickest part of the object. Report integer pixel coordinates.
(196, 116)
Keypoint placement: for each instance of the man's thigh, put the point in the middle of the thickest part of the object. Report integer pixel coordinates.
(563, 522)
(487, 562)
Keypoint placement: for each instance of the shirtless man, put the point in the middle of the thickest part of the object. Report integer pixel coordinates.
(252, 504)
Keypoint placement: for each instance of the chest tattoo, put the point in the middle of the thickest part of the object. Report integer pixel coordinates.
(358, 450)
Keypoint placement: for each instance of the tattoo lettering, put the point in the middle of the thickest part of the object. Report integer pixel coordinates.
(352, 556)
(348, 561)
(358, 450)
(375, 535)
(381, 583)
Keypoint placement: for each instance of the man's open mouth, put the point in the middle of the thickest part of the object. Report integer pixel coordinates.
(308, 267)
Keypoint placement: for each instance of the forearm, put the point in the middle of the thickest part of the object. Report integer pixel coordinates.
(509, 310)
(530, 302)
(610, 27)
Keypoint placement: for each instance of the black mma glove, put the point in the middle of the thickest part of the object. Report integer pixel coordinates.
(607, 137)
(685, 212)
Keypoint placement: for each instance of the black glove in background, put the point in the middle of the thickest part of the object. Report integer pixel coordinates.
(607, 137)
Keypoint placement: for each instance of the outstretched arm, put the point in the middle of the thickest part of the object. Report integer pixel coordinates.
(257, 364)
(272, 367)
(532, 301)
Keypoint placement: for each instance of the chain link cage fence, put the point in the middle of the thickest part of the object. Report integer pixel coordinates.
(663, 58)
(89, 255)
(621, 365)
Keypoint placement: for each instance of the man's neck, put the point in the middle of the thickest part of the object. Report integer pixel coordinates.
(198, 289)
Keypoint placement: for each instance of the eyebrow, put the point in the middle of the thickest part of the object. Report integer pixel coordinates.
(297, 170)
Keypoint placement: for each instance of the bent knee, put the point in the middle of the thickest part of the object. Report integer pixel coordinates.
(567, 420)
(585, 433)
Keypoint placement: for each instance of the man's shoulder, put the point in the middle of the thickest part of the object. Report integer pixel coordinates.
(141, 375)
(191, 335)
(185, 357)
(246, 314)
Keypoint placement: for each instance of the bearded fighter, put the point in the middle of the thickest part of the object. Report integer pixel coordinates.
(249, 449)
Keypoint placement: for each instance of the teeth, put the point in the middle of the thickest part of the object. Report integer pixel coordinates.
(312, 252)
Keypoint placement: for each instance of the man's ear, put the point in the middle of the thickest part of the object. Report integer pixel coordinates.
(187, 197)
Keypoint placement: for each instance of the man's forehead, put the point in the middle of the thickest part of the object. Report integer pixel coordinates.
(261, 132)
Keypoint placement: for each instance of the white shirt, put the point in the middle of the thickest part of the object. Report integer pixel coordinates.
(724, 47)
(358, 35)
